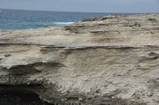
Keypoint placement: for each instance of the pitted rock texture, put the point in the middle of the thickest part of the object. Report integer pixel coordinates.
(111, 60)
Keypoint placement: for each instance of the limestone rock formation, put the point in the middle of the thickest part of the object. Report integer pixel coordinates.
(111, 60)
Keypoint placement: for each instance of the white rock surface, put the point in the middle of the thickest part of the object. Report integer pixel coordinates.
(111, 60)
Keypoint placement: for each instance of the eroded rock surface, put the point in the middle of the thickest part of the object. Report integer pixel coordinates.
(111, 60)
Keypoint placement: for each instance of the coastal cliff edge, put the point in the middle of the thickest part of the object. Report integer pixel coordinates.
(110, 60)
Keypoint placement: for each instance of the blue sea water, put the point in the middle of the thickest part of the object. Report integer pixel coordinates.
(25, 19)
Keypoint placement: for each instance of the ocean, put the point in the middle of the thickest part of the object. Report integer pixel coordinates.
(26, 19)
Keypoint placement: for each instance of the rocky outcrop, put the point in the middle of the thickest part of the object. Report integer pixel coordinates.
(111, 60)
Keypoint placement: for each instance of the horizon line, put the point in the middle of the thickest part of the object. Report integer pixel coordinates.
(77, 11)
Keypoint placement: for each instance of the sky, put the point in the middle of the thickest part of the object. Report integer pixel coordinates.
(115, 6)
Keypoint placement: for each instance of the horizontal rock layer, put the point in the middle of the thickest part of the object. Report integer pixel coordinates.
(111, 60)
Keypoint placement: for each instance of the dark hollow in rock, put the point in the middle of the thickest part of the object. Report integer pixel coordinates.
(19, 95)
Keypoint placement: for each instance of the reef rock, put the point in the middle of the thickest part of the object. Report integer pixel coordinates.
(110, 60)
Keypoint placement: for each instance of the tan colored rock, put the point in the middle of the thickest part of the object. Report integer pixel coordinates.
(111, 60)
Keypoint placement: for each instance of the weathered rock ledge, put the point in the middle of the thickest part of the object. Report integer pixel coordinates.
(111, 60)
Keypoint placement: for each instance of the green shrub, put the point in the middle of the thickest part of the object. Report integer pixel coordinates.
(137, 24)
(152, 19)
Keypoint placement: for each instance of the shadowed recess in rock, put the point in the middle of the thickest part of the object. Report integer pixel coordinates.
(19, 95)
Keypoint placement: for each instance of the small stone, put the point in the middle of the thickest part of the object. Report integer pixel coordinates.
(80, 99)
(7, 55)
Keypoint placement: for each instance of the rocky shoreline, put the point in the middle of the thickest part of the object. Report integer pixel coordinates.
(110, 60)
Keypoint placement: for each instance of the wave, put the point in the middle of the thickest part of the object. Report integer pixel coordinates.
(63, 23)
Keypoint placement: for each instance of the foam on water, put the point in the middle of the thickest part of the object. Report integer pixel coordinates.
(63, 23)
